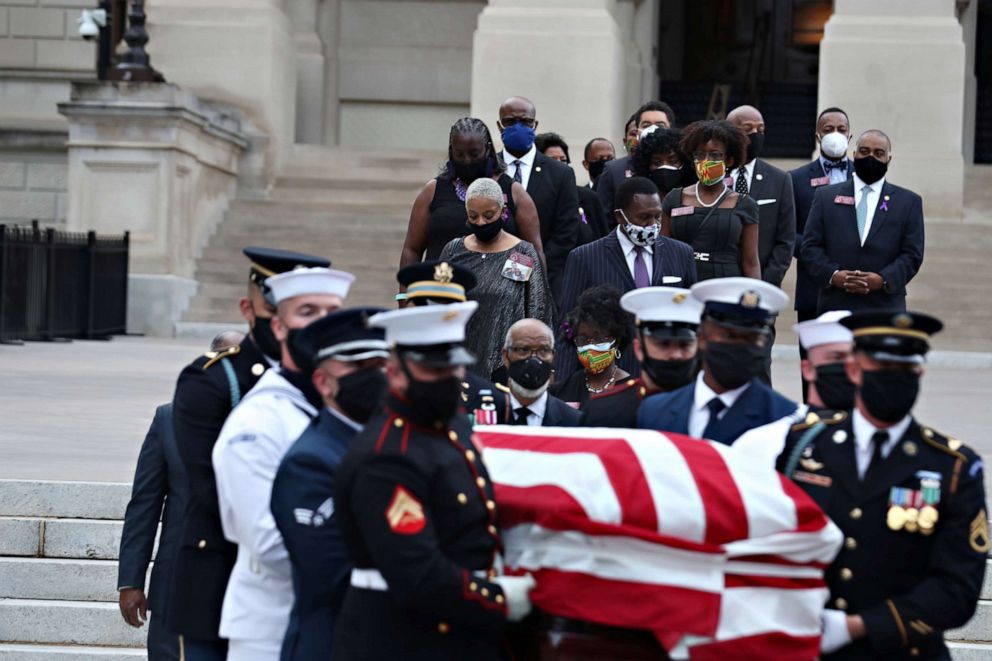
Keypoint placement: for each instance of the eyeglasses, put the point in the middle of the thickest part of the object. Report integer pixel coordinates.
(512, 121)
(523, 353)
(708, 155)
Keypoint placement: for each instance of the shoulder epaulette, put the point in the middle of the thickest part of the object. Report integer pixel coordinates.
(935, 439)
(214, 356)
(825, 417)
(500, 386)
(617, 389)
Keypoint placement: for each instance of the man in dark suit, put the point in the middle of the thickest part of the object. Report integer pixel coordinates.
(529, 358)
(159, 479)
(349, 375)
(652, 113)
(909, 500)
(632, 256)
(549, 183)
(864, 238)
(727, 398)
(833, 133)
(206, 392)
(595, 157)
(592, 223)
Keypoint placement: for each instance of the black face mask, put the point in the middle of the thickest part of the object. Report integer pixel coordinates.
(733, 364)
(360, 393)
(469, 172)
(666, 179)
(889, 395)
(261, 332)
(530, 373)
(488, 232)
(869, 169)
(669, 374)
(754, 147)
(433, 403)
(299, 353)
(596, 168)
(834, 388)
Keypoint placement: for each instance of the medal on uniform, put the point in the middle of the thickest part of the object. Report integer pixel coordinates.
(930, 495)
(900, 501)
(896, 517)
(912, 519)
(486, 414)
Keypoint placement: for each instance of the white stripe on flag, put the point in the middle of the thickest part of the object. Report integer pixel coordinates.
(819, 546)
(580, 474)
(753, 611)
(676, 499)
(532, 547)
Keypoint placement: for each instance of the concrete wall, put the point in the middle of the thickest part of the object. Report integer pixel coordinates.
(40, 35)
(32, 187)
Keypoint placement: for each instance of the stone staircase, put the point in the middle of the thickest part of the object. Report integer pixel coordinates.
(58, 578)
(58, 573)
(350, 206)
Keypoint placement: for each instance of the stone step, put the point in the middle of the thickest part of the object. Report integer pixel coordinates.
(84, 500)
(60, 538)
(66, 623)
(58, 580)
(17, 652)
(349, 195)
(980, 626)
(970, 651)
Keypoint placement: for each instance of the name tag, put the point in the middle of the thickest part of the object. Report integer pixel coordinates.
(844, 199)
(683, 211)
(819, 181)
(810, 478)
(518, 267)
(770, 201)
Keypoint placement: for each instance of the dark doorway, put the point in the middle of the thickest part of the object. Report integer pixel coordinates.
(716, 54)
(983, 86)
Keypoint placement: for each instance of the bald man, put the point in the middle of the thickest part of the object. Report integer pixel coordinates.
(549, 183)
(529, 358)
(864, 237)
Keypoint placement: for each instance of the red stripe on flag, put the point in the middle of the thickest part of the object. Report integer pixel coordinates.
(626, 604)
(775, 645)
(778, 560)
(809, 516)
(618, 459)
(726, 517)
(786, 583)
(527, 504)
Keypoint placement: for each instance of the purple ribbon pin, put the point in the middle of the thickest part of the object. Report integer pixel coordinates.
(884, 206)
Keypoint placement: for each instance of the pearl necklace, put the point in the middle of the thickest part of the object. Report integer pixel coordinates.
(714, 202)
(607, 386)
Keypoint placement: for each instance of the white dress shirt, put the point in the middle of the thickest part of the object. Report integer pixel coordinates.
(630, 254)
(699, 416)
(748, 174)
(527, 165)
(836, 175)
(874, 190)
(864, 430)
(537, 409)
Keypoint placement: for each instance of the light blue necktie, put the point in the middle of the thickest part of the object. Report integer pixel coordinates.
(862, 212)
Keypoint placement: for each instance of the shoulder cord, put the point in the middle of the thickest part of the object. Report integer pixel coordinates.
(232, 381)
(797, 451)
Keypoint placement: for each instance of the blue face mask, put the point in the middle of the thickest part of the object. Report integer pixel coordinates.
(518, 138)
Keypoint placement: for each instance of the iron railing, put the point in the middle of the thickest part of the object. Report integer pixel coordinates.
(56, 284)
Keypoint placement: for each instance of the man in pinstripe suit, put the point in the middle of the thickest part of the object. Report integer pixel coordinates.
(633, 255)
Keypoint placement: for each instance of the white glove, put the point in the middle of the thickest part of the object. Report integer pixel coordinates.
(835, 633)
(515, 590)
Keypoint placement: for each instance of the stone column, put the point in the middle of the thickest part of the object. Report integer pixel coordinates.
(898, 65)
(565, 55)
(152, 159)
(309, 72)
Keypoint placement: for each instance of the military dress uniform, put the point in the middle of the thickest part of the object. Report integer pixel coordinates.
(206, 392)
(916, 536)
(415, 504)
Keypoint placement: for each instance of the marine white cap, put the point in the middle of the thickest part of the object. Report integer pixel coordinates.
(314, 280)
(825, 329)
(744, 303)
(649, 304)
(438, 328)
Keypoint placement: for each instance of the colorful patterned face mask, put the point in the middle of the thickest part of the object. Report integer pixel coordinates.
(597, 357)
(710, 172)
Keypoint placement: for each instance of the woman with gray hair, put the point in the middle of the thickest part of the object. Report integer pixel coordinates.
(512, 282)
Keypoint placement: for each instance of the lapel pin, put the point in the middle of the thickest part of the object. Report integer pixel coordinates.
(759, 177)
(909, 447)
(537, 169)
(839, 436)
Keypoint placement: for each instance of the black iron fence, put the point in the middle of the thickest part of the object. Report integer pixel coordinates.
(56, 284)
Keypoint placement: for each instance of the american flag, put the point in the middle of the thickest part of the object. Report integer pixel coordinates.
(719, 556)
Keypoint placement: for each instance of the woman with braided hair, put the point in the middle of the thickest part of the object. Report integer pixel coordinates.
(438, 215)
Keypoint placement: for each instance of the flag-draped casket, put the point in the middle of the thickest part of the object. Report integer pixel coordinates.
(719, 556)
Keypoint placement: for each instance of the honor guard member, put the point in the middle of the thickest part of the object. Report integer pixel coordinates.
(909, 500)
(441, 283)
(727, 397)
(206, 392)
(415, 503)
(827, 347)
(348, 370)
(247, 454)
(667, 319)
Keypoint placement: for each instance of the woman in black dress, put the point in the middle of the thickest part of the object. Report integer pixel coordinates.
(438, 213)
(720, 224)
(600, 330)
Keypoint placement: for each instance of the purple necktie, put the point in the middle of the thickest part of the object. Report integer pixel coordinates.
(641, 278)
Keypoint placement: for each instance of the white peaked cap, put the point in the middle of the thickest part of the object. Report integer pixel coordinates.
(649, 304)
(314, 280)
(426, 325)
(743, 293)
(825, 329)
